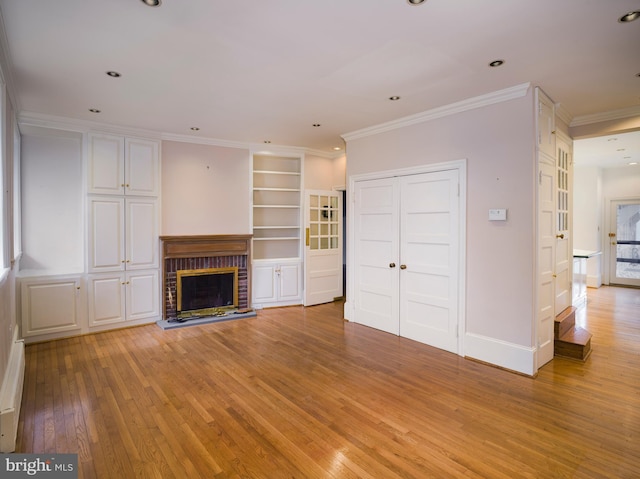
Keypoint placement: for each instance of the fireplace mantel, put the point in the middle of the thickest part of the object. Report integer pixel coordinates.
(200, 251)
(205, 245)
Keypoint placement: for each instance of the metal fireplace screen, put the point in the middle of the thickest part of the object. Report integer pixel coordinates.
(206, 291)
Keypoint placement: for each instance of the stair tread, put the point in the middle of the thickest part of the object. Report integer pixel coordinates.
(577, 335)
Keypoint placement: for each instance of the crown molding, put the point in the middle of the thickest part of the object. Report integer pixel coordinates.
(82, 126)
(198, 140)
(563, 113)
(40, 120)
(606, 116)
(499, 96)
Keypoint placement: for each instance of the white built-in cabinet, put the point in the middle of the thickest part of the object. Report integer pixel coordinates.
(277, 239)
(118, 297)
(120, 283)
(122, 252)
(51, 304)
(123, 166)
(277, 283)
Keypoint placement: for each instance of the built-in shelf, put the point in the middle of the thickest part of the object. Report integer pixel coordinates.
(276, 207)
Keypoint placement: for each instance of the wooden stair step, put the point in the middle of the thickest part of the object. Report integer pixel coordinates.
(575, 344)
(564, 322)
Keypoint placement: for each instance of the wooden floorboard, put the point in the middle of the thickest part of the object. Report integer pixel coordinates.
(300, 393)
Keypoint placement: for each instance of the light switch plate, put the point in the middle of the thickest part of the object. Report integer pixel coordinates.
(497, 214)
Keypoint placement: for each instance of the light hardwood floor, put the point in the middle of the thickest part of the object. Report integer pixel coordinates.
(300, 393)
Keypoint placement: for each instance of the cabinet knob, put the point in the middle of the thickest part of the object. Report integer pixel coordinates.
(392, 265)
(403, 266)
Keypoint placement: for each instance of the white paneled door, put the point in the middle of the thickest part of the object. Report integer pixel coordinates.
(376, 252)
(546, 261)
(564, 248)
(323, 246)
(406, 254)
(429, 255)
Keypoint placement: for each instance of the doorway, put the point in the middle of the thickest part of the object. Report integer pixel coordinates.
(624, 242)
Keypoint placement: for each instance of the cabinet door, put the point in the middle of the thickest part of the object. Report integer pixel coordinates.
(106, 299)
(50, 305)
(142, 167)
(141, 234)
(105, 167)
(142, 295)
(289, 282)
(546, 125)
(106, 234)
(264, 284)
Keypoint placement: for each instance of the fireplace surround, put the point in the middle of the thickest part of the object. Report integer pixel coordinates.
(202, 253)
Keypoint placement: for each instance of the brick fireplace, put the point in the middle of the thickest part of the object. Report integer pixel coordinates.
(204, 252)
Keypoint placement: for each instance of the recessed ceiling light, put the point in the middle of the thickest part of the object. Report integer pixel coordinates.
(394, 98)
(415, 2)
(152, 3)
(113, 74)
(629, 17)
(631, 163)
(316, 125)
(496, 63)
(195, 128)
(94, 110)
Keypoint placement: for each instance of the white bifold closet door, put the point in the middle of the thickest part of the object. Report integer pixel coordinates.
(406, 256)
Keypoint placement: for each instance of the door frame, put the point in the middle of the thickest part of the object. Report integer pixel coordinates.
(461, 166)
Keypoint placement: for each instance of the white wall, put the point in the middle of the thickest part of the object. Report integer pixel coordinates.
(318, 172)
(498, 143)
(205, 189)
(52, 201)
(588, 218)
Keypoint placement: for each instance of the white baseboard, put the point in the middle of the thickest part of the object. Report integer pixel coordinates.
(11, 396)
(506, 355)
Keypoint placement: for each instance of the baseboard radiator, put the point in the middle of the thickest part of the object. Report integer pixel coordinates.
(11, 397)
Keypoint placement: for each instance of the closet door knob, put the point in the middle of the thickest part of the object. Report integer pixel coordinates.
(392, 265)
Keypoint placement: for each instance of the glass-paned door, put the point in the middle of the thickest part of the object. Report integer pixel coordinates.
(624, 236)
(323, 246)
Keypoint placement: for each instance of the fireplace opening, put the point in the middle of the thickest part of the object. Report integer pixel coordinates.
(203, 292)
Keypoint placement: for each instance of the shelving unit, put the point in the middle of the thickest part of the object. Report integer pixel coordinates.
(276, 207)
(277, 212)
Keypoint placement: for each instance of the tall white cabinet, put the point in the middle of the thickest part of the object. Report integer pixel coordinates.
(277, 231)
(122, 252)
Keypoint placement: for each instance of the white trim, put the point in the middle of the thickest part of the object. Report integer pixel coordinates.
(514, 357)
(606, 116)
(499, 96)
(461, 166)
(84, 126)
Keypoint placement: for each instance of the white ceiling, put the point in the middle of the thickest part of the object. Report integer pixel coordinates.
(256, 70)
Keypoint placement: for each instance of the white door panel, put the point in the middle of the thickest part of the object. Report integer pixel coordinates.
(429, 255)
(563, 247)
(376, 254)
(546, 262)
